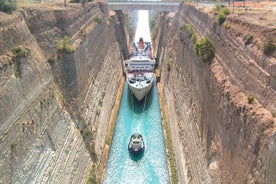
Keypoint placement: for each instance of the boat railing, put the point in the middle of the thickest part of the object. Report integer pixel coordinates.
(140, 71)
(138, 61)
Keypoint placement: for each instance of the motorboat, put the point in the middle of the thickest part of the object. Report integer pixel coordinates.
(136, 144)
(139, 69)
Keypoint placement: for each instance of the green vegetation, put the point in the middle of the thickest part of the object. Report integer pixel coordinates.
(220, 8)
(127, 19)
(98, 20)
(169, 148)
(226, 11)
(205, 49)
(188, 28)
(8, 5)
(92, 176)
(248, 39)
(194, 37)
(217, 7)
(190, 31)
(222, 13)
(83, 33)
(178, 69)
(250, 99)
(65, 45)
(269, 46)
(221, 18)
(17, 71)
(13, 145)
(169, 64)
(19, 52)
(228, 26)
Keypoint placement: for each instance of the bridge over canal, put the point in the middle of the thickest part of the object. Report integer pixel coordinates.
(144, 5)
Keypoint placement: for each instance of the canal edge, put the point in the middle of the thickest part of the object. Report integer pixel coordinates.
(110, 131)
(171, 162)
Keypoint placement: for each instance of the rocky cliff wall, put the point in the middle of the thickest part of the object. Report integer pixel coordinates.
(33, 147)
(54, 116)
(246, 65)
(217, 135)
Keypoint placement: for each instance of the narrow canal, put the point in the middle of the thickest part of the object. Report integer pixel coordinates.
(138, 117)
(144, 118)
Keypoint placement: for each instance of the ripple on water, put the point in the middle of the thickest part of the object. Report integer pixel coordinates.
(151, 167)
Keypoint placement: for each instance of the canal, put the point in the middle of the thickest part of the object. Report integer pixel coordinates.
(138, 117)
(141, 117)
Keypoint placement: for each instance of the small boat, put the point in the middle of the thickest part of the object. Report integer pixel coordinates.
(136, 144)
(139, 69)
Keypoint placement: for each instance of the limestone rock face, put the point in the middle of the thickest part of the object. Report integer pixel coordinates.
(219, 137)
(55, 107)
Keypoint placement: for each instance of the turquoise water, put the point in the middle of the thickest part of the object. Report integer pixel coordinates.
(142, 118)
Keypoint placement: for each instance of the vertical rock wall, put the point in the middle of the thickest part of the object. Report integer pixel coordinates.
(37, 135)
(218, 136)
(54, 117)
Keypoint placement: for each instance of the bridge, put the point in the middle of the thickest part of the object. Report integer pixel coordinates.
(144, 5)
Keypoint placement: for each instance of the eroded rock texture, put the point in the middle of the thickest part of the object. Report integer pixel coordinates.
(218, 136)
(55, 107)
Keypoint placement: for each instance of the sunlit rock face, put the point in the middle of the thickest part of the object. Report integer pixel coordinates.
(218, 135)
(55, 107)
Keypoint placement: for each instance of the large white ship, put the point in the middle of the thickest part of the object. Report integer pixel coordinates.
(139, 69)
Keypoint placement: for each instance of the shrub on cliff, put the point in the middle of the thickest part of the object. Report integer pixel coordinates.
(97, 20)
(19, 52)
(226, 11)
(269, 46)
(65, 45)
(228, 26)
(194, 37)
(248, 39)
(188, 28)
(217, 7)
(8, 5)
(250, 99)
(222, 13)
(205, 49)
(221, 18)
(169, 64)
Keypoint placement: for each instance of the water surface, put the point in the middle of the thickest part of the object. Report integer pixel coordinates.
(143, 118)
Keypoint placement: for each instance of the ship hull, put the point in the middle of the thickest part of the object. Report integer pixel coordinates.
(140, 91)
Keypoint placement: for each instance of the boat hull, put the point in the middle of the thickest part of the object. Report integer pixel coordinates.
(135, 152)
(138, 91)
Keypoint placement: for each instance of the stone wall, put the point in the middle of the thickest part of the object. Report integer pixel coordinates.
(217, 135)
